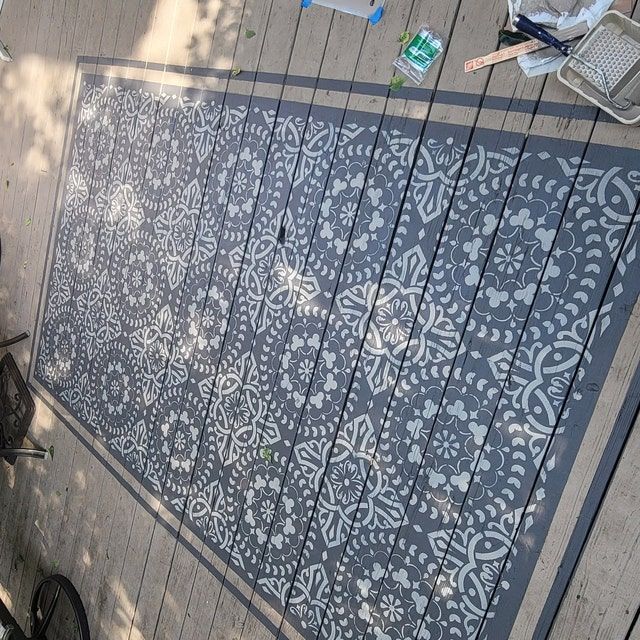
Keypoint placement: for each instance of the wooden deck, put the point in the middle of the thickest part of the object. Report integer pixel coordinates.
(133, 545)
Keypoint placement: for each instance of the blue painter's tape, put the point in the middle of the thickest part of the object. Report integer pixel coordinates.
(376, 16)
(305, 4)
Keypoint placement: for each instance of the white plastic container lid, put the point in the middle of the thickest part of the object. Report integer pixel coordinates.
(371, 9)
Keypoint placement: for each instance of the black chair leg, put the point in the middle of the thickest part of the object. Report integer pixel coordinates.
(11, 454)
(19, 338)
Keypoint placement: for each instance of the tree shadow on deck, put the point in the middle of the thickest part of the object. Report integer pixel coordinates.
(41, 531)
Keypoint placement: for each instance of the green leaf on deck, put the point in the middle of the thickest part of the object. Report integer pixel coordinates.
(27, 222)
(249, 33)
(405, 36)
(266, 454)
(54, 565)
(397, 82)
(236, 71)
(51, 451)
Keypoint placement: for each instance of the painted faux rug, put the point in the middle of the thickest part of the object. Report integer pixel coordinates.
(354, 354)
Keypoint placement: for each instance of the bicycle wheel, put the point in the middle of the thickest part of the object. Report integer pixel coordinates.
(46, 601)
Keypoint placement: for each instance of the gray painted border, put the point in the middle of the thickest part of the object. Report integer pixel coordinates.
(452, 98)
(624, 423)
(566, 444)
(623, 426)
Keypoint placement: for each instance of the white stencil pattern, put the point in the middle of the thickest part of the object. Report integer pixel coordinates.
(340, 348)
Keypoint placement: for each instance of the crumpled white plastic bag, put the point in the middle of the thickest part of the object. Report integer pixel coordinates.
(554, 14)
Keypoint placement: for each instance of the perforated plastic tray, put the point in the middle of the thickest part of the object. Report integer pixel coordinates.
(613, 45)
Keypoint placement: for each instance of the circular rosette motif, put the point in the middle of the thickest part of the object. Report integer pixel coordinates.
(62, 357)
(60, 287)
(347, 479)
(80, 251)
(235, 409)
(389, 331)
(151, 345)
(118, 391)
(168, 163)
(99, 310)
(140, 277)
(120, 208)
(176, 228)
(176, 439)
(77, 189)
(395, 321)
(397, 304)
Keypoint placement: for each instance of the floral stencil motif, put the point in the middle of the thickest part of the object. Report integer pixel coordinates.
(345, 348)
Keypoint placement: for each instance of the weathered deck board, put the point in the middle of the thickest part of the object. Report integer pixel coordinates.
(603, 599)
(179, 591)
(47, 28)
(148, 584)
(300, 203)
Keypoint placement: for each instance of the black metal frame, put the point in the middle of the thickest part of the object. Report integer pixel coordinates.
(9, 341)
(41, 613)
(17, 409)
(9, 628)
